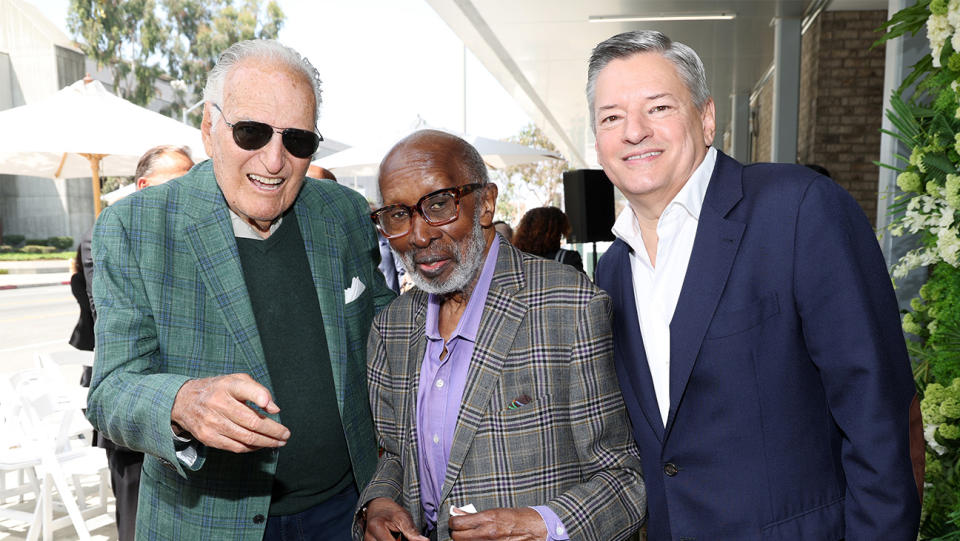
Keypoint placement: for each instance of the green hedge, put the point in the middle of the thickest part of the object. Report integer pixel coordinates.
(37, 249)
(13, 240)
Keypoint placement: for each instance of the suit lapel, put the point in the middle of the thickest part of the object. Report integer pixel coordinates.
(633, 370)
(714, 250)
(502, 315)
(209, 234)
(320, 233)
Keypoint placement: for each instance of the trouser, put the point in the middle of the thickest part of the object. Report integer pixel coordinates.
(331, 520)
(125, 468)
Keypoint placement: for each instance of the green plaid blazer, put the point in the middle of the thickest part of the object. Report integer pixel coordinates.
(545, 333)
(172, 305)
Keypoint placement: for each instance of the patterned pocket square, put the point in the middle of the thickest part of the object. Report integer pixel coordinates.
(519, 402)
(353, 292)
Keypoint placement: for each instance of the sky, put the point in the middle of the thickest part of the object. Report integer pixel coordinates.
(384, 63)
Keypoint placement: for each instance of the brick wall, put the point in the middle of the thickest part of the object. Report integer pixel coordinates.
(841, 102)
(847, 100)
(761, 124)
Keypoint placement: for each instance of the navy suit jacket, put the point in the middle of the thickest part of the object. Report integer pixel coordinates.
(790, 383)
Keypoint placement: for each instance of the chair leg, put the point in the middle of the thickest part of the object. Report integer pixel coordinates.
(46, 508)
(35, 526)
(81, 493)
(71, 504)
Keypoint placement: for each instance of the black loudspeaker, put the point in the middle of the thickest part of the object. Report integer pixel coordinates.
(588, 198)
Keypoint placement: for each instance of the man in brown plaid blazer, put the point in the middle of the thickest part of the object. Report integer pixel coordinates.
(491, 383)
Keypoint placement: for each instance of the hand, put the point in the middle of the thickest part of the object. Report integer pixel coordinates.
(386, 519)
(214, 411)
(514, 524)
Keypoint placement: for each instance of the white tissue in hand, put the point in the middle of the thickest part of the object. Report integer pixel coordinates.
(464, 510)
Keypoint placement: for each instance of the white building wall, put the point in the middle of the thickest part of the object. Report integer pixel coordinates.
(37, 60)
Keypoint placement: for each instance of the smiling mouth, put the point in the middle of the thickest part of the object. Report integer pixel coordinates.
(644, 155)
(265, 183)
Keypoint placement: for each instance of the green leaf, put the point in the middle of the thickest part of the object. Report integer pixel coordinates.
(879, 164)
(940, 163)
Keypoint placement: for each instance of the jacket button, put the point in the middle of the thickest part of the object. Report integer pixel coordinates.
(258, 519)
(670, 469)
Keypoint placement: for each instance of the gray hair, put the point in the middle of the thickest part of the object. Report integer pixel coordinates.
(266, 49)
(148, 162)
(688, 64)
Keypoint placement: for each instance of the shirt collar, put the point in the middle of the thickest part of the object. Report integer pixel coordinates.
(469, 322)
(243, 230)
(689, 198)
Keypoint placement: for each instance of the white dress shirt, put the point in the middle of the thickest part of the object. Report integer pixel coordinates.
(657, 289)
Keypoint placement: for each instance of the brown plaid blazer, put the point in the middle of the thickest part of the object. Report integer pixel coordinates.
(545, 332)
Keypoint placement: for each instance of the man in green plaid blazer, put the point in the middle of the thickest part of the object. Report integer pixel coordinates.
(228, 294)
(492, 382)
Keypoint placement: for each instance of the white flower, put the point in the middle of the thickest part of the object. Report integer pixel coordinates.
(928, 433)
(953, 13)
(938, 30)
(948, 244)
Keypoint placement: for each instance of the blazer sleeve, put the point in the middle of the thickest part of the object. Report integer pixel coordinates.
(129, 400)
(387, 481)
(851, 327)
(610, 503)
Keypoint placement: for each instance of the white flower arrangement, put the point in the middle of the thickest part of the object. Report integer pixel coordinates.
(936, 215)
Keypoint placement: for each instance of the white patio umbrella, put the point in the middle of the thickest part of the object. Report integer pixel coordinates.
(84, 130)
(364, 160)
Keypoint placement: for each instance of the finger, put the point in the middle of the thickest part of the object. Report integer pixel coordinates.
(244, 388)
(215, 426)
(466, 522)
(246, 418)
(383, 529)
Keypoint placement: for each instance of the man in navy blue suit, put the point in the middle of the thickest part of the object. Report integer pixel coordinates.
(757, 338)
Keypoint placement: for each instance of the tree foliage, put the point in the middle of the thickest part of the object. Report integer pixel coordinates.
(143, 40)
(530, 185)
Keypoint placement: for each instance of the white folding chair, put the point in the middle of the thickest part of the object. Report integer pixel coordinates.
(47, 418)
(54, 363)
(14, 458)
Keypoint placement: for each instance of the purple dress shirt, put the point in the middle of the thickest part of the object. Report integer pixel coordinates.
(440, 393)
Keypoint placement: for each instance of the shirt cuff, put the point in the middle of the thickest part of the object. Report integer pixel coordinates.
(556, 531)
(185, 449)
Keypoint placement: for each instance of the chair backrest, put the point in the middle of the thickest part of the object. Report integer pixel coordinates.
(11, 433)
(49, 407)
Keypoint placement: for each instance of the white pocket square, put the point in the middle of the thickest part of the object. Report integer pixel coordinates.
(353, 292)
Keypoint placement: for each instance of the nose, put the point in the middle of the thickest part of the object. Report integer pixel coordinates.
(421, 233)
(273, 155)
(636, 129)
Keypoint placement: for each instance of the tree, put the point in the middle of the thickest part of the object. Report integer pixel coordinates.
(143, 40)
(202, 29)
(122, 36)
(530, 185)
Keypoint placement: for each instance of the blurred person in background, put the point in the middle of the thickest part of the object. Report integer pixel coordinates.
(539, 233)
(504, 229)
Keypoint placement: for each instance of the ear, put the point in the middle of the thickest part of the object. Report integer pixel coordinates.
(708, 118)
(142, 183)
(489, 205)
(206, 128)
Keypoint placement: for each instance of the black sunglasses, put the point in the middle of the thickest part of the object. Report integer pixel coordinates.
(252, 135)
